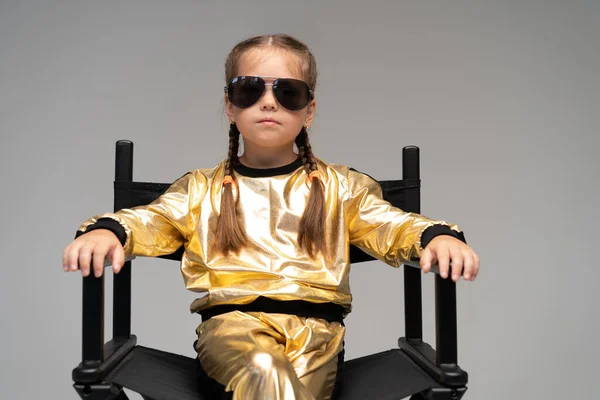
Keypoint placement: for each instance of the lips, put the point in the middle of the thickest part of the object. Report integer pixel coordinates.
(270, 120)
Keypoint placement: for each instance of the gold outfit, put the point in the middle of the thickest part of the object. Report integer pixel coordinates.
(271, 205)
(283, 355)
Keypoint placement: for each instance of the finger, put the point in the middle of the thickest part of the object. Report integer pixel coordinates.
(118, 258)
(65, 258)
(73, 256)
(99, 256)
(475, 266)
(426, 260)
(74, 251)
(468, 265)
(457, 264)
(85, 256)
(443, 257)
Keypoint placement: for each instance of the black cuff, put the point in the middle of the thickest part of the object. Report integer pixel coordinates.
(106, 223)
(437, 230)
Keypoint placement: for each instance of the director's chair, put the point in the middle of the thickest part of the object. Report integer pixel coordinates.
(413, 369)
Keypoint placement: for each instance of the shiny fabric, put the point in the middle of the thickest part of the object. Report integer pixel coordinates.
(271, 356)
(271, 207)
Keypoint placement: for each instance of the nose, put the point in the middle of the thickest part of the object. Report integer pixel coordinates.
(268, 102)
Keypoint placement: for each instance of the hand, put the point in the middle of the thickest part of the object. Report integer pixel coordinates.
(96, 245)
(445, 249)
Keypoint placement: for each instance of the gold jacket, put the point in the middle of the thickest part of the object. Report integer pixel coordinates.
(271, 202)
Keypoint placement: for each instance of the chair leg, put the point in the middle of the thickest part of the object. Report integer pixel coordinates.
(440, 394)
(100, 391)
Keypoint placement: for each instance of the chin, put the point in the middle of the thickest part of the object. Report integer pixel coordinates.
(266, 141)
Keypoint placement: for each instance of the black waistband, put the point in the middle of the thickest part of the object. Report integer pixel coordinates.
(328, 311)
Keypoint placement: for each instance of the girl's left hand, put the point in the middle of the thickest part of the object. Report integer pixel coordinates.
(445, 249)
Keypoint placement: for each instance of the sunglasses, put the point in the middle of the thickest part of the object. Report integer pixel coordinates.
(293, 94)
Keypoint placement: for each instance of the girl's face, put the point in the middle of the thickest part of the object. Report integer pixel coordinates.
(279, 134)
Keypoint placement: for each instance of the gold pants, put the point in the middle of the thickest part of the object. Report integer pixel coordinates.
(271, 356)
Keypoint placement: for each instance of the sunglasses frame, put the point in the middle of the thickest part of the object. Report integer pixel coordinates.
(311, 93)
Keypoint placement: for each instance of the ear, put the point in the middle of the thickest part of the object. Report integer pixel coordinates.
(229, 109)
(310, 112)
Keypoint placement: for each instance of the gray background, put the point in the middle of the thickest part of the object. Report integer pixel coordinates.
(502, 97)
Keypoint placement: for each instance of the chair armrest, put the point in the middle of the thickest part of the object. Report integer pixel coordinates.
(440, 363)
(108, 263)
(425, 356)
(97, 357)
(93, 371)
(435, 268)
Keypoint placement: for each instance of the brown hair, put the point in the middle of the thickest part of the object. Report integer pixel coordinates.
(230, 232)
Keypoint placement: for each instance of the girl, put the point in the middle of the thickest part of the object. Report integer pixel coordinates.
(267, 235)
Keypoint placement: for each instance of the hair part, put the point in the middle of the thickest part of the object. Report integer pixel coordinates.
(306, 60)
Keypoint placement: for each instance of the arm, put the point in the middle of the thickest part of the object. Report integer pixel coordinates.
(158, 228)
(384, 231)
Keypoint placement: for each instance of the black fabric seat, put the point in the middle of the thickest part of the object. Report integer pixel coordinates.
(414, 368)
(157, 374)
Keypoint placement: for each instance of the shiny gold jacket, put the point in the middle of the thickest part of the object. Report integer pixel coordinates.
(271, 202)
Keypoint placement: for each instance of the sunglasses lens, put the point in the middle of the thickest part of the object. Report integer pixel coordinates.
(244, 91)
(291, 93)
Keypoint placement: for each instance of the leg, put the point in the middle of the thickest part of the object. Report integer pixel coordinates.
(246, 355)
(314, 347)
(210, 388)
(320, 382)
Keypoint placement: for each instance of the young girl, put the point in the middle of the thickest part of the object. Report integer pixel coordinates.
(267, 235)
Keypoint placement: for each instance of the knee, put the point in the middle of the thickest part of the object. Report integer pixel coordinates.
(262, 360)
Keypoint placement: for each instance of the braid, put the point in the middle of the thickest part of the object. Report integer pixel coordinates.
(230, 233)
(305, 151)
(234, 146)
(311, 232)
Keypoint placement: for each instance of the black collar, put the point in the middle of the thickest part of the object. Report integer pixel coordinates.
(266, 172)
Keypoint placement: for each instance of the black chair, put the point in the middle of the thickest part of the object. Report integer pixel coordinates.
(414, 368)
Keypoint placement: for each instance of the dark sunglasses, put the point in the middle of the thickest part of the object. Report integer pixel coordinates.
(244, 91)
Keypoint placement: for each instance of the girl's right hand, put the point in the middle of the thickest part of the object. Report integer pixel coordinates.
(94, 247)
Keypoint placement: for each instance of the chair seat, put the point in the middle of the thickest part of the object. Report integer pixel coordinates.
(159, 375)
(389, 375)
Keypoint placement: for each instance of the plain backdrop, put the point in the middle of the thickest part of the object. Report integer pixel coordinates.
(502, 97)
